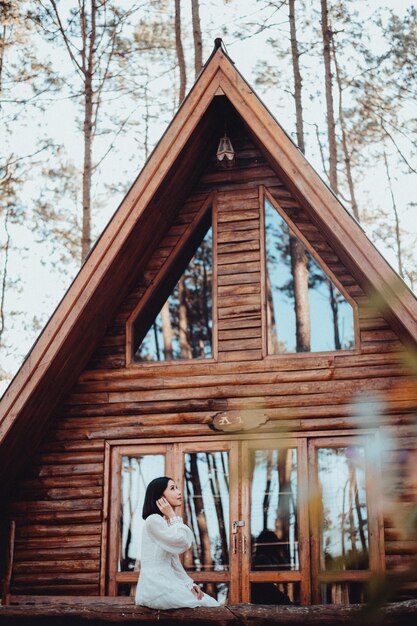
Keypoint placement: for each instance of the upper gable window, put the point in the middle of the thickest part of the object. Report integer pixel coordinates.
(182, 327)
(305, 310)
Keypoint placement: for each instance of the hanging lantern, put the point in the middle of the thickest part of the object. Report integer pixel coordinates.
(225, 149)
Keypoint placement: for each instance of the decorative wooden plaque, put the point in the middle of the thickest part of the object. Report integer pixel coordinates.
(232, 421)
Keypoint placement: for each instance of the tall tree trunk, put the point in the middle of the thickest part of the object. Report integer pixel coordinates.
(397, 220)
(206, 559)
(198, 44)
(205, 296)
(4, 272)
(301, 304)
(331, 128)
(215, 489)
(342, 526)
(182, 292)
(180, 50)
(352, 533)
(155, 336)
(335, 312)
(88, 52)
(183, 320)
(98, 27)
(346, 155)
(361, 522)
(167, 331)
(297, 77)
(267, 492)
(87, 169)
(298, 256)
(273, 344)
(190, 556)
(225, 471)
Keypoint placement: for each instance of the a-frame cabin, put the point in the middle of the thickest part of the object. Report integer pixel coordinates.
(285, 409)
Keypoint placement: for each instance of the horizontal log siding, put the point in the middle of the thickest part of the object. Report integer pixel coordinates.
(59, 502)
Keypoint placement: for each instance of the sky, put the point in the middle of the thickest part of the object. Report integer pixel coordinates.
(40, 282)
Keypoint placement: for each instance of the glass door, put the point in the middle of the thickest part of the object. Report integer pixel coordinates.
(210, 503)
(275, 521)
(207, 474)
(344, 522)
(274, 544)
(133, 467)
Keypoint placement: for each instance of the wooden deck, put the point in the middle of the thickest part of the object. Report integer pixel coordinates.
(101, 611)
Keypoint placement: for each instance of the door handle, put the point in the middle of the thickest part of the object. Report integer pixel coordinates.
(235, 526)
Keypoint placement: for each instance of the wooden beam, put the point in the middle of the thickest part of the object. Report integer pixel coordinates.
(52, 611)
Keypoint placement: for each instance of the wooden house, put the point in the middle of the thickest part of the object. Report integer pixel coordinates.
(233, 328)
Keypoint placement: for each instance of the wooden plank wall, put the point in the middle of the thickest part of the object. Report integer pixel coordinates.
(59, 502)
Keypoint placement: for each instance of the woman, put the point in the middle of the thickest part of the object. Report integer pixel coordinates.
(163, 582)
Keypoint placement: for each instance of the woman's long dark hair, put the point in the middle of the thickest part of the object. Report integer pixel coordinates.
(154, 491)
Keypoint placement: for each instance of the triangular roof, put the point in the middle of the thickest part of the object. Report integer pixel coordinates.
(70, 336)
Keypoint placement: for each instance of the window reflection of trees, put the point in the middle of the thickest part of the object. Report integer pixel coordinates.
(206, 499)
(344, 520)
(137, 472)
(274, 523)
(183, 327)
(312, 317)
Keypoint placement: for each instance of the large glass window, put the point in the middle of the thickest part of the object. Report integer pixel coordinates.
(178, 322)
(305, 310)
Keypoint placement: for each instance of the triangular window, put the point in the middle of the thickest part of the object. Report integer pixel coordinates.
(182, 327)
(306, 312)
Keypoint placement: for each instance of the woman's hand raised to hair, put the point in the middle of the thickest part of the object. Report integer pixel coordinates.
(165, 507)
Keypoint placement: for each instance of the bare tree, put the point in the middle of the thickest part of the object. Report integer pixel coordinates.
(180, 51)
(345, 147)
(396, 218)
(198, 43)
(327, 35)
(295, 54)
(297, 251)
(91, 35)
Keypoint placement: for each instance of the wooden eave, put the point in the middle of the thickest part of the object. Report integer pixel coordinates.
(65, 345)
